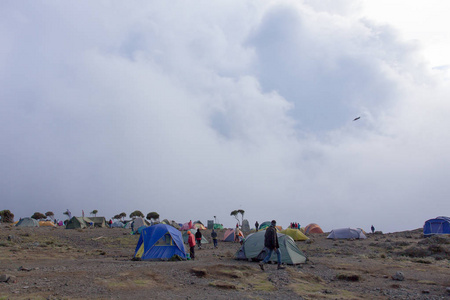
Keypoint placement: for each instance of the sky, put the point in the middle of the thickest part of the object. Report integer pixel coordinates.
(194, 109)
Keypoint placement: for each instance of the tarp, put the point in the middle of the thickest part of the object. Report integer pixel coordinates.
(185, 237)
(439, 225)
(253, 248)
(313, 228)
(159, 242)
(47, 224)
(229, 235)
(27, 222)
(295, 234)
(346, 233)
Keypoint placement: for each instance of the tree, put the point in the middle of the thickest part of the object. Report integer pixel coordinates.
(6, 216)
(242, 212)
(94, 212)
(38, 216)
(123, 215)
(235, 213)
(136, 213)
(152, 216)
(117, 217)
(50, 215)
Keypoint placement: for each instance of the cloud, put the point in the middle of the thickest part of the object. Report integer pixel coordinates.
(194, 110)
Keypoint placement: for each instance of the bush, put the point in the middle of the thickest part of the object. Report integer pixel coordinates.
(6, 216)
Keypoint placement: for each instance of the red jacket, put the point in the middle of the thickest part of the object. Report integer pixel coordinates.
(191, 239)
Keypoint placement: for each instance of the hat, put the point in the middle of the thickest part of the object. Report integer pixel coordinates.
(274, 222)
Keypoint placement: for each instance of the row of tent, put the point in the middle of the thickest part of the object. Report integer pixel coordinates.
(164, 242)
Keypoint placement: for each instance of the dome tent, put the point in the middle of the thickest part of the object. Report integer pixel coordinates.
(295, 234)
(253, 248)
(28, 222)
(160, 242)
(346, 233)
(439, 225)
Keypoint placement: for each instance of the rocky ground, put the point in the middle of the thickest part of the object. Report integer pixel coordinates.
(55, 263)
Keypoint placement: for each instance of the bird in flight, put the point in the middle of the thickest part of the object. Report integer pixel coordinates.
(357, 118)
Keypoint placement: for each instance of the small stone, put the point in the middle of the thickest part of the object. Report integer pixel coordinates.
(4, 278)
(398, 276)
(448, 290)
(425, 292)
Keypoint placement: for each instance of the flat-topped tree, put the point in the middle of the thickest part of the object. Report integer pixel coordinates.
(136, 213)
(6, 216)
(38, 216)
(50, 215)
(153, 216)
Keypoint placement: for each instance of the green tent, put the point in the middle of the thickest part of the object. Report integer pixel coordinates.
(78, 222)
(253, 248)
(27, 222)
(185, 237)
(98, 221)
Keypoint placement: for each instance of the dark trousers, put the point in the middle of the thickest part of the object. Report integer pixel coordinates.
(192, 250)
(215, 243)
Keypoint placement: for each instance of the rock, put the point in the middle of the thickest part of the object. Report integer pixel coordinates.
(199, 272)
(245, 226)
(448, 290)
(4, 278)
(398, 276)
(425, 292)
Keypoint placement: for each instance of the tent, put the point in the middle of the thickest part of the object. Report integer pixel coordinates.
(159, 242)
(138, 222)
(313, 228)
(47, 224)
(229, 235)
(78, 222)
(199, 226)
(185, 237)
(98, 221)
(185, 226)
(253, 248)
(28, 222)
(295, 234)
(117, 224)
(346, 233)
(439, 225)
(171, 223)
(264, 225)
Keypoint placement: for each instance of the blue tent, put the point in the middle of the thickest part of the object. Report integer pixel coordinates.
(159, 242)
(439, 225)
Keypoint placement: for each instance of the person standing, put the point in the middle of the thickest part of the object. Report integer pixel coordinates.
(271, 243)
(373, 229)
(191, 242)
(198, 238)
(236, 234)
(257, 226)
(214, 238)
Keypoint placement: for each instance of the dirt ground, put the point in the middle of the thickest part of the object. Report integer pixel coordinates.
(56, 263)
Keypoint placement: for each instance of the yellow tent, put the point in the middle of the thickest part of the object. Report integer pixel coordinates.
(47, 223)
(295, 234)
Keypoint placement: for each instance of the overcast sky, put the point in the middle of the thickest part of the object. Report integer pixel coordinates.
(193, 109)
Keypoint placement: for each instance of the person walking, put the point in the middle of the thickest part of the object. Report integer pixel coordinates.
(191, 242)
(257, 226)
(271, 244)
(198, 238)
(214, 238)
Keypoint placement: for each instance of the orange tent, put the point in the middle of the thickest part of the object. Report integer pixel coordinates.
(313, 228)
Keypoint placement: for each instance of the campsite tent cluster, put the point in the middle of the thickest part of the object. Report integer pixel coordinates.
(164, 241)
